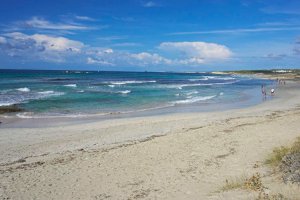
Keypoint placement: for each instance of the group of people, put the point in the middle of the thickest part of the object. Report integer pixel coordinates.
(280, 81)
(272, 91)
(264, 91)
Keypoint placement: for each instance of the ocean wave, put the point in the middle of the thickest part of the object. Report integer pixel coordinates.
(185, 85)
(193, 92)
(24, 89)
(194, 99)
(129, 82)
(71, 85)
(226, 83)
(47, 92)
(112, 86)
(199, 79)
(6, 104)
(31, 115)
(205, 78)
(219, 78)
(124, 92)
(11, 99)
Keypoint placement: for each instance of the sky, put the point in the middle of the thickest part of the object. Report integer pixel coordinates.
(139, 35)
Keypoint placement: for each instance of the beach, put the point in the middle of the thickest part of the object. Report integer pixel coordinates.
(168, 156)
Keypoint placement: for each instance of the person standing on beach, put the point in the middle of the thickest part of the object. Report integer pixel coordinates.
(263, 90)
(272, 91)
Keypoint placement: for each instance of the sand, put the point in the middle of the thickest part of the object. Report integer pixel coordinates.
(174, 156)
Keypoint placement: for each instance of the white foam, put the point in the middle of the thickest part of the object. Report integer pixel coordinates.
(46, 92)
(6, 103)
(24, 89)
(193, 92)
(227, 83)
(11, 99)
(199, 79)
(221, 93)
(184, 85)
(220, 78)
(71, 85)
(31, 115)
(124, 92)
(130, 82)
(112, 86)
(195, 99)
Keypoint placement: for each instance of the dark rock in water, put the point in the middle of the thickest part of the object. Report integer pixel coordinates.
(10, 109)
(290, 166)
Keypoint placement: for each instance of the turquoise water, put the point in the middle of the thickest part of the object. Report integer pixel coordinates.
(80, 93)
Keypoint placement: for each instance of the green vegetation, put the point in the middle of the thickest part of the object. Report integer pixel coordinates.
(252, 183)
(233, 184)
(275, 158)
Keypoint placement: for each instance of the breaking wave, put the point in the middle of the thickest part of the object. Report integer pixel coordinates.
(193, 100)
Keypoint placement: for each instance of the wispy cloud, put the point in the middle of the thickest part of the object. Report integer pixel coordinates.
(285, 7)
(275, 56)
(84, 18)
(150, 4)
(126, 44)
(112, 38)
(41, 23)
(234, 31)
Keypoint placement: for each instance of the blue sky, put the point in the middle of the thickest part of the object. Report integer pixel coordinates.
(140, 35)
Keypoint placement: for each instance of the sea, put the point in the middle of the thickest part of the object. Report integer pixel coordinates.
(61, 93)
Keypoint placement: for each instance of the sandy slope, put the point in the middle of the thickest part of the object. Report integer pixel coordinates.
(180, 156)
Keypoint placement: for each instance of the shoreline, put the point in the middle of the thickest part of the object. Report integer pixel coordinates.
(248, 98)
(171, 156)
(183, 100)
(74, 127)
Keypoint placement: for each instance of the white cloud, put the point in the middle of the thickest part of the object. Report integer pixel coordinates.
(49, 48)
(196, 52)
(57, 43)
(49, 43)
(145, 58)
(97, 61)
(39, 46)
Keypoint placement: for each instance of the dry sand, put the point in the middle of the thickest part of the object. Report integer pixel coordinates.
(178, 156)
